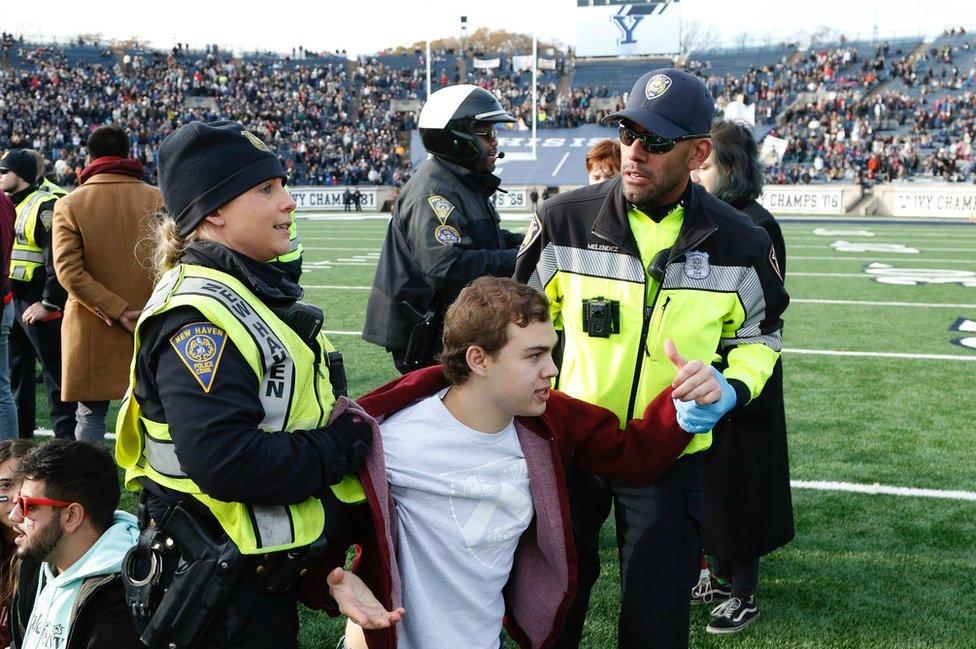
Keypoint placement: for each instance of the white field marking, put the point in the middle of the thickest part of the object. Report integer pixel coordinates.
(879, 489)
(885, 236)
(801, 274)
(337, 217)
(320, 249)
(337, 287)
(47, 432)
(378, 237)
(821, 352)
(924, 305)
(816, 485)
(368, 258)
(925, 248)
(917, 260)
(906, 356)
(560, 165)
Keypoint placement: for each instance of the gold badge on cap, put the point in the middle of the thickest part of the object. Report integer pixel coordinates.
(657, 86)
(256, 141)
(441, 206)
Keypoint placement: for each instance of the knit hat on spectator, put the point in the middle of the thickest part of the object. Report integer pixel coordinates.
(670, 103)
(21, 163)
(204, 166)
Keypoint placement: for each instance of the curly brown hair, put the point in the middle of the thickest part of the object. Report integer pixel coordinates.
(480, 316)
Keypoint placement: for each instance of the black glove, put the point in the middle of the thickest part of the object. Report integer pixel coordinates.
(353, 438)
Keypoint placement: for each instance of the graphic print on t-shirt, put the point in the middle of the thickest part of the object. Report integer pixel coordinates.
(491, 514)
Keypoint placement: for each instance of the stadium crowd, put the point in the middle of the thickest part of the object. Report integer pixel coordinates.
(847, 113)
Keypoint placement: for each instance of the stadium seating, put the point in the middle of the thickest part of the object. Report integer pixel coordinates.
(851, 110)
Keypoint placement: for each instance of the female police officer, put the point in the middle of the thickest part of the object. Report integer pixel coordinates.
(748, 508)
(230, 424)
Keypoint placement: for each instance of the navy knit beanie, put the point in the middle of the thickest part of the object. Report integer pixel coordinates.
(21, 163)
(204, 166)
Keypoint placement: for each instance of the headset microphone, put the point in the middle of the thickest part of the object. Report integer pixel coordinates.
(501, 154)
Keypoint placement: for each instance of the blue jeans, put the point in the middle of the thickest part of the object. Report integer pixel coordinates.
(8, 408)
(90, 416)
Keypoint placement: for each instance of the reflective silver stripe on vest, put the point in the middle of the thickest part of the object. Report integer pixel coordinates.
(593, 263)
(20, 227)
(162, 457)
(272, 525)
(27, 255)
(599, 263)
(744, 282)
(161, 291)
(18, 272)
(293, 244)
(278, 380)
(774, 341)
(720, 279)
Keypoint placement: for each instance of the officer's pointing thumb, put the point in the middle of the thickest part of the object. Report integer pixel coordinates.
(672, 353)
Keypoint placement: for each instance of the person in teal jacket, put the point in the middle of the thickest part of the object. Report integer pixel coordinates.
(72, 542)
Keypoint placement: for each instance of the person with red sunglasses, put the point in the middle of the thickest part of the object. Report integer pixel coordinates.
(72, 541)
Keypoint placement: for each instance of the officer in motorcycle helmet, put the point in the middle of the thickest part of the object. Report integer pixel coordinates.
(444, 231)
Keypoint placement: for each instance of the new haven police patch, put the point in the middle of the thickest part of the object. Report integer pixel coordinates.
(696, 265)
(446, 235)
(200, 347)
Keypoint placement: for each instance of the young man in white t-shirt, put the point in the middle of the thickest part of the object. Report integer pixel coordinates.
(479, 527)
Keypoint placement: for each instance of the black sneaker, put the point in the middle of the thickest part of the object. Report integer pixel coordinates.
(733, 615)
(710, 591)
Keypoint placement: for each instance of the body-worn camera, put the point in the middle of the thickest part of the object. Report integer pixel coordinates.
(601, 317)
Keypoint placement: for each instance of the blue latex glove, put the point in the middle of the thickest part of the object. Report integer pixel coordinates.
(697, 419)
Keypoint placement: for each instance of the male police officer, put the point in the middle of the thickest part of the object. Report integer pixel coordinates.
(38, 297)
(628, 263)
(445, 231)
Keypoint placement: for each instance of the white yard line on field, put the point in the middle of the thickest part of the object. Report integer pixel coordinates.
(814, 352)
(875, 489)
(816, 485)
(801, 274)
(904, 259)
(338, 287)
(906, 356)
(319, 249)
(924, 248)
(925, 305)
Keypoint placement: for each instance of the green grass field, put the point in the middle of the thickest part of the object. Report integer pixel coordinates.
(865, 570)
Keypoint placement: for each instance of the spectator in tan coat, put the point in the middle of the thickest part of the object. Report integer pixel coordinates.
(95, 235)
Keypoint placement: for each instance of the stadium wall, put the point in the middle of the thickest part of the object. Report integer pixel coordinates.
(329, 199)
(937, 200)
(810, 199)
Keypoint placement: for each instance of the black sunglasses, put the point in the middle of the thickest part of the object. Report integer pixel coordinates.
(488, 133)
(652, 143)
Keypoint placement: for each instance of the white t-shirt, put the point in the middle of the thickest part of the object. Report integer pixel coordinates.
(462, 501)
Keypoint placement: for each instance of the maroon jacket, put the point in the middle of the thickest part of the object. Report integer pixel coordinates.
(8, 214)
(543, 578)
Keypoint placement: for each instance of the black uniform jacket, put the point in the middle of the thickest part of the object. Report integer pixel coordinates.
(595, 218)
(748, 507)
(444, 233)
(216, 434)
(44, 286)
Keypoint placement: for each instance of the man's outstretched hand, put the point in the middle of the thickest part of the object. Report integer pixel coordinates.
(358, 603)
(701, 394)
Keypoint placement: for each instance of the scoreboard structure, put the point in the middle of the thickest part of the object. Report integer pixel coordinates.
(628, 27)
